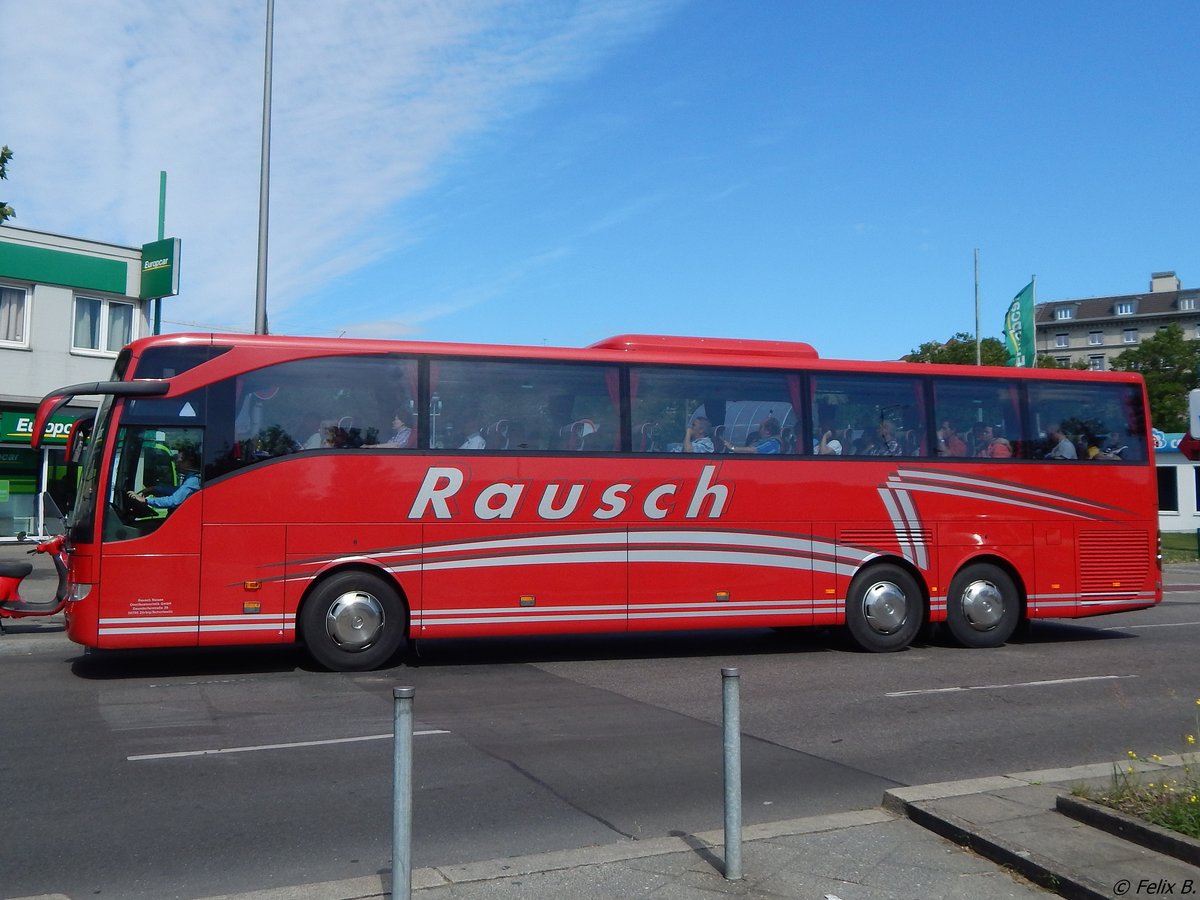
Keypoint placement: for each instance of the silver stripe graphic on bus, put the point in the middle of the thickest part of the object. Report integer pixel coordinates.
(994, 491)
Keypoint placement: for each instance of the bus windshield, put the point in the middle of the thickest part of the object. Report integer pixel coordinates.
(155, 469)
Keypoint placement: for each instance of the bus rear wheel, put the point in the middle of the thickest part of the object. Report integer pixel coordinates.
(884, 608)
(982, 606)
(353, 621)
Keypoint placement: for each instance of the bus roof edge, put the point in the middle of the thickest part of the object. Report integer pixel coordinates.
(632, 343)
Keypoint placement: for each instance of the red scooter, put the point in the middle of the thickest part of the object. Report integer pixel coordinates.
(11, 573)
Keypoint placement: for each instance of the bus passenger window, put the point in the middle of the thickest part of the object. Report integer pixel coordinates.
(524, 405)
(977, 418)
(1098, 422)
(714, 410)
(871, 415)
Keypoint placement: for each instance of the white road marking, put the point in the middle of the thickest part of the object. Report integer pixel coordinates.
(1160, 625)
(349, 740)
(996, 687)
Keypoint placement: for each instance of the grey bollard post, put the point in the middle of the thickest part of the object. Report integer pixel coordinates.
(402, 794)
(731, 706)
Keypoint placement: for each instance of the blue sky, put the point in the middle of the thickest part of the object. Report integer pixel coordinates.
(558, 172)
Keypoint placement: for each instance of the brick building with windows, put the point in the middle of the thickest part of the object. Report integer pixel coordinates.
(67, 306)
(1096, 329)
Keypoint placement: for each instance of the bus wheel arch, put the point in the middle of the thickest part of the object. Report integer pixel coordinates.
(353, 619)
(886, 606)
(985, 603)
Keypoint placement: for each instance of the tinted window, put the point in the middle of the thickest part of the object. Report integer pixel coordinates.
(331, 402)
(1087, 421)
(523, 405)
(871, 415)
(713, 410)
(977, 417)
(167, 362)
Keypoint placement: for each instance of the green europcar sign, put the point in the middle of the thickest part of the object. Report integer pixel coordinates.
(160, 269)
(17, 428)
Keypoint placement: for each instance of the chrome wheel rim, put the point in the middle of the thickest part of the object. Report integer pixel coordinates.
(982, 605)
(354, 620)
(885, 607)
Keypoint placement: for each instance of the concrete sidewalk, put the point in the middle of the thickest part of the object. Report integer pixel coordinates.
(1000, 837)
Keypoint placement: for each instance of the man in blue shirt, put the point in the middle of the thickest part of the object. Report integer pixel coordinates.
(767, 440)
(188, 466)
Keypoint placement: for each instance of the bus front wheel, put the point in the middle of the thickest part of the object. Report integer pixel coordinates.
(982, 606)
(884, 609)
(353, 621)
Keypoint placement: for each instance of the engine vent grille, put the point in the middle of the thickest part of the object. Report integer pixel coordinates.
(1113, 561)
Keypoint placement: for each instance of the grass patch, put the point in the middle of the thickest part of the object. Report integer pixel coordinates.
(1172, 803)
(1179, 547)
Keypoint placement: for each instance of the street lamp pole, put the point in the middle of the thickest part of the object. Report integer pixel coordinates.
(264, 181)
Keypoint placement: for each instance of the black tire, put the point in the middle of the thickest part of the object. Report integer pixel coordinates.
(885, 608)
(353, 621)
(983, 607)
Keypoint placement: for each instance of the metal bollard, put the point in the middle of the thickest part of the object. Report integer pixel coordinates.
(732, 715)
(402, 793)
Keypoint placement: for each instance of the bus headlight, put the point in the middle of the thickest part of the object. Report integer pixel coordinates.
(79, 592)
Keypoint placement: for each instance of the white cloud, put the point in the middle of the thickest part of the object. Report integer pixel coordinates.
(371, 100)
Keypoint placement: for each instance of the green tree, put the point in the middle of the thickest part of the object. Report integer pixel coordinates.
(6, 211)
(960, 351)
(1170, 363)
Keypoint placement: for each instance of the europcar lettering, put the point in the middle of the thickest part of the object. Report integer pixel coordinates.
(445, 493)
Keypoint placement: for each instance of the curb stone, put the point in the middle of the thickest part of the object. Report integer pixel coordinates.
(1130, 828)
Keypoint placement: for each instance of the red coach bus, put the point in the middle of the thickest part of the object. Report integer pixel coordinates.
(357, 495)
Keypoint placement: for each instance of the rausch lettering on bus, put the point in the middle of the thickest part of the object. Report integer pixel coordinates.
(446, 493)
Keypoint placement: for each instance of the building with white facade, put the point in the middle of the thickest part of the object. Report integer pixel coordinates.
(67, 306)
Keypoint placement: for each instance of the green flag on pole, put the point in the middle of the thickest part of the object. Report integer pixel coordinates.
(1018, 329)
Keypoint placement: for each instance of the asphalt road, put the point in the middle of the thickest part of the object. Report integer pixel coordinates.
(168, 774)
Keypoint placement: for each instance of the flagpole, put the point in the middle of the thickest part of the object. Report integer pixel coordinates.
(978, 350)
(1033, 305)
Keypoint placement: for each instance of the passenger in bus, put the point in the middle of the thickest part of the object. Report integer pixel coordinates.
(949, 443)
(766, 440)
(1001, 449)
(402, 434)
(187, 464)
(886, 445)
(829, 445)
(321, 432)
(474, 441)
(984, 435)
(697, 438)
(1061, 446)
(1113, 447)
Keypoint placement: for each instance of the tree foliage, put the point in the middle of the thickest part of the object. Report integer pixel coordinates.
(960, 351)
(6, 211)
(1170, 363)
